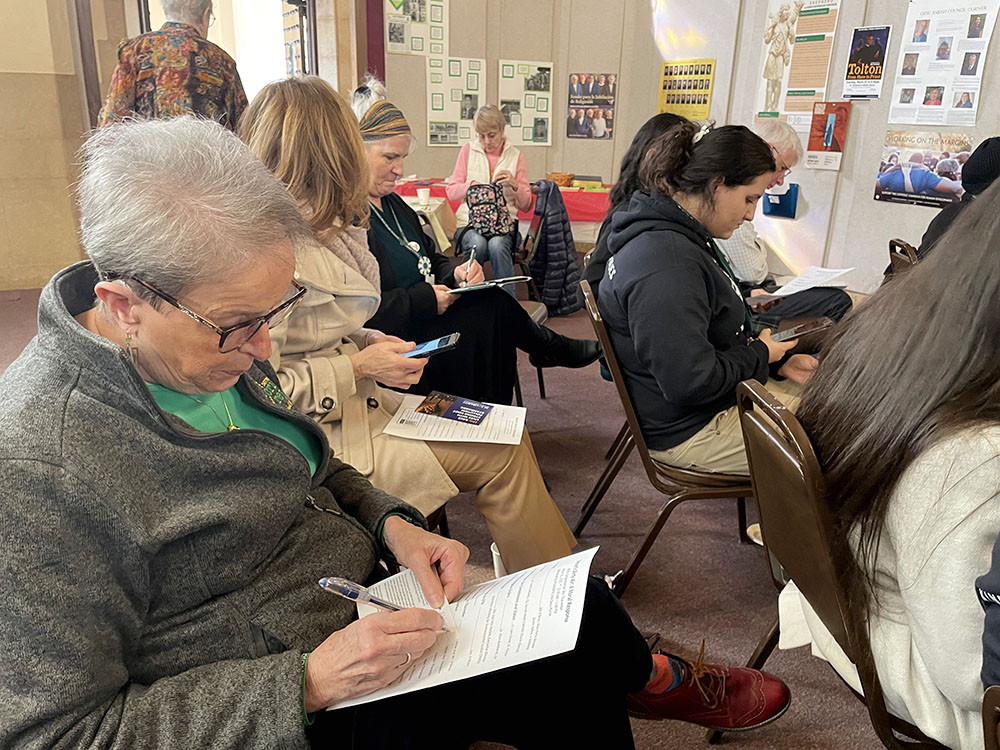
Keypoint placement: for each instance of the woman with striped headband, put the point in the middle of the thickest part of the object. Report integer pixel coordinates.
(416, 279)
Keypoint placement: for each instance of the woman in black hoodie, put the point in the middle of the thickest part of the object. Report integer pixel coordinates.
(674, 311)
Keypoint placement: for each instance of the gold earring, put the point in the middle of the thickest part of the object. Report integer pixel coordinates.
(130, 350)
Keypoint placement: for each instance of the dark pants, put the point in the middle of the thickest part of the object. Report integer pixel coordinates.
(573, 700)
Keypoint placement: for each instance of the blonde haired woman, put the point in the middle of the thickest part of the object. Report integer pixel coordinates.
(490, 158)
(328, 364)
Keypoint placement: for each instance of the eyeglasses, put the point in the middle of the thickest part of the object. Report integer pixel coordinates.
(233, 337)
(779, 166)
(211, 18)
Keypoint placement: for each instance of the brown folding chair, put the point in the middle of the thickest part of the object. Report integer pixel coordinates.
(797, 529)
(902, 256)
(991, 717)
(678, 485)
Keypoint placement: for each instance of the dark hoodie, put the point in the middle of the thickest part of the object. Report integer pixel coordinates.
(675, 319)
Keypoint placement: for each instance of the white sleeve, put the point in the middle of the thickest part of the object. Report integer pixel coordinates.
(746, 254)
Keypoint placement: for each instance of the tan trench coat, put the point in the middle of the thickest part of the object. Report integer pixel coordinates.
(311, 354)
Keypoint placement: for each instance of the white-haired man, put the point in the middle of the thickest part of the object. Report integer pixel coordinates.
(748, 256)
(174, 71)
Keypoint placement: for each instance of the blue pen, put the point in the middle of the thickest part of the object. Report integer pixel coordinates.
(356, 593)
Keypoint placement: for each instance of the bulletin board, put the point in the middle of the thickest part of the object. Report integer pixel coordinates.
(416, 27)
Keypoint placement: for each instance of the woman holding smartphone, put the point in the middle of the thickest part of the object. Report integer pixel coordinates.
(677, 320)
(330, 365)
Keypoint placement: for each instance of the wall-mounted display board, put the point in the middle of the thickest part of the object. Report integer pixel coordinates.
(796, 48)
(416, 27)
(940, 74)
(686, 87)
(456, 88)
(526, 101)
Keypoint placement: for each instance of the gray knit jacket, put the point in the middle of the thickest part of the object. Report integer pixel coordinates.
(159, 585)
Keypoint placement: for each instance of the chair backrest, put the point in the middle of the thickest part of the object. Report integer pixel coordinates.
(537, 218)
(656, 472)
(797, 530)
(902, 256)
(991, 717)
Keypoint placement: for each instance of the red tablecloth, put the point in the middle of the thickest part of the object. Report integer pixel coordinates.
(581, 205)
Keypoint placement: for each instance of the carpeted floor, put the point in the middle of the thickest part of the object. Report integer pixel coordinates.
(697, 582)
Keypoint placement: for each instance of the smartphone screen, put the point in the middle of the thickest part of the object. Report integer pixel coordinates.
(800, 330)
(435, 346)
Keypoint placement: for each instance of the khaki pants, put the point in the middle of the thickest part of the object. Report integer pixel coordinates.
(718, 446)
(521, 515)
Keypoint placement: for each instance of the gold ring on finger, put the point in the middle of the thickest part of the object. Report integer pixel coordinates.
(409, 658)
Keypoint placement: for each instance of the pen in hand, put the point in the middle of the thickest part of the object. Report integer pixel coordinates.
(358, 593)
(468, 266)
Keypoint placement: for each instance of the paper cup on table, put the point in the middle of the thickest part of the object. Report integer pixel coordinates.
(498, 569)
(424, 196)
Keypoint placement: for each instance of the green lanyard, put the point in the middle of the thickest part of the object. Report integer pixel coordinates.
(720, 259)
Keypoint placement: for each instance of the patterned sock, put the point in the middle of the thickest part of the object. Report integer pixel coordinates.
(668, 674)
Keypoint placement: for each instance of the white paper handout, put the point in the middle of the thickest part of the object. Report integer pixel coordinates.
(504, 425)
(512, 620)
(813, 276)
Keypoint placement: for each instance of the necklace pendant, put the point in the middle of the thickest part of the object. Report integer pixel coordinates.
(424, 267)
(414, 246)
(232, 428)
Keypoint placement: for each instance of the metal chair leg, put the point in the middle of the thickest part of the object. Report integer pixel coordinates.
(603, 483)
(622, 580)
(765, 647)
(443, 529)
(741, 519)
(622, 434)
(541, 382)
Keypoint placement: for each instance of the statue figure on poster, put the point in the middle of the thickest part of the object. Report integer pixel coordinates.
(780, 35)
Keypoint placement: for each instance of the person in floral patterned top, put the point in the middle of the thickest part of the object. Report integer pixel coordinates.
(174, 71)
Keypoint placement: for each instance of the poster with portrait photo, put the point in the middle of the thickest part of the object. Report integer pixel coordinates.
(944, 53)
(866, 62)
(450, 98)
(525, 94)
(416, 27)
(922, 167)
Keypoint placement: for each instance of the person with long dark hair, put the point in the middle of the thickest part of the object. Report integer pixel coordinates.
(675, 315)
(628, 183)
(904, 413)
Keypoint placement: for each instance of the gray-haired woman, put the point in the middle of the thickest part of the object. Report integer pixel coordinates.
(165, 515)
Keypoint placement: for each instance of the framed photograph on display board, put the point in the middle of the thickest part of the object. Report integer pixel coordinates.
(437, 48)
(456, 95)
(437, 14)
(506, 71)
(529, 101)
(472, 80)
(437, 102)
(527, 134)
(455, 68)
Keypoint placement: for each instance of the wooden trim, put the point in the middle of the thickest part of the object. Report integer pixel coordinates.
(88, 60)
(145, 25)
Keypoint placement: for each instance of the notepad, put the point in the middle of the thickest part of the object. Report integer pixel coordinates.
(489, 284)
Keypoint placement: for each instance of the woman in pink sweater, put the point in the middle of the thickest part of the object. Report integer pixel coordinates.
(490, 159)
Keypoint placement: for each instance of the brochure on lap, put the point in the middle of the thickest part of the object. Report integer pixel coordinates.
(489, 284)
(512, 620)
(503, 424)
(813, 276)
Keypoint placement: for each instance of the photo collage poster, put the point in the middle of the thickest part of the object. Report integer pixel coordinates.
(456, 88)
(866, 62)
(796, 49)
(525, 90)
(923, 168)
(686, 88)
(416, 27)
(944, 45)
(591, 110)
